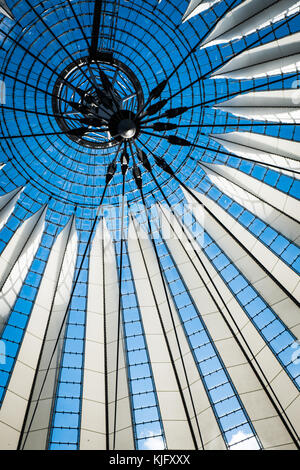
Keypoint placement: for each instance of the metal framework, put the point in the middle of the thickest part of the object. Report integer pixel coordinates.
(149, 224)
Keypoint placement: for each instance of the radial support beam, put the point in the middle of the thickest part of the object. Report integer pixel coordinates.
(248, 17)
(96, 28)
(16, 259)
(274, 58)
(7, 204)
(99, 380)
(269, 214)
(18, 395)
(275, 105)
(236, 339)
(176, 408)
(262, 148)
(46, 324)
(196, 7)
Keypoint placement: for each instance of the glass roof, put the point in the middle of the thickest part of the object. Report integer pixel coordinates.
(140, 44)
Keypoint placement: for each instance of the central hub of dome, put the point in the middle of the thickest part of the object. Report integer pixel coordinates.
(127, 128)
(97, 110)
(124, 125)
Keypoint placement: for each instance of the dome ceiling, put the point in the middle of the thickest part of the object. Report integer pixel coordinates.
(149, 224)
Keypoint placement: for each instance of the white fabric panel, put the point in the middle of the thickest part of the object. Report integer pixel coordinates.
(124, 432)
(93, 430)
(281, 272)
(196, 7)
(104, 286)
(16, 244)
(16, 259)
(169, 399)
(5, 10)
(274, 58)
(248, 17)
(7, 204)
(64, 271)
(267, 213)
(141, 251)
(274, 296)
(285, 148)
(26, 363)
(268, 289)
(283, 202)
(243, 377)
(262, 148)
(275, 105)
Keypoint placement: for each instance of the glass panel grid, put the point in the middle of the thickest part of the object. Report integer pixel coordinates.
(276, 335)
(231, 416)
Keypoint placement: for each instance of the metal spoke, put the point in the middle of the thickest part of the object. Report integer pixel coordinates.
(96, 27)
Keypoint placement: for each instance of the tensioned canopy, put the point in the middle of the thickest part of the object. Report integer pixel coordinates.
(149, 224)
